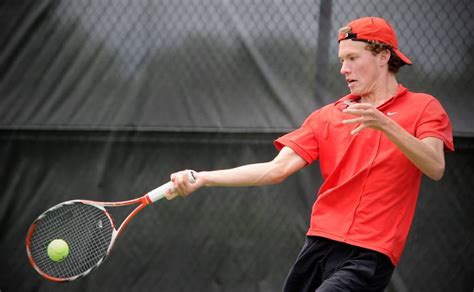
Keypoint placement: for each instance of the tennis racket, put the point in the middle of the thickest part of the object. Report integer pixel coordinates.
(88, 230)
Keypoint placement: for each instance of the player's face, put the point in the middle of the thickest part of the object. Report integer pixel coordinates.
(359, 66)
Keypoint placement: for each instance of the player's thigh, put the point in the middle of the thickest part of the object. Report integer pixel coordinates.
(369, 271)
(307, 272)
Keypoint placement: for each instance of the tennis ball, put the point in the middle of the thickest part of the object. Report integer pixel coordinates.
(58, 250)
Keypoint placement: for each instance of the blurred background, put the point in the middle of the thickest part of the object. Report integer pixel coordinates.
(104, 99)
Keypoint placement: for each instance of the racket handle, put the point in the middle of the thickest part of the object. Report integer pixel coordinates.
(160, 192)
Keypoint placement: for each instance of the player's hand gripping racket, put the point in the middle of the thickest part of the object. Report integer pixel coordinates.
(88, 231)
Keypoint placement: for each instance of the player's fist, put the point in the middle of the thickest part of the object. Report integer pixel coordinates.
(185, 182)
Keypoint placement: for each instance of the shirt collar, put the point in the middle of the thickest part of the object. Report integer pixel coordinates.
(348, 99)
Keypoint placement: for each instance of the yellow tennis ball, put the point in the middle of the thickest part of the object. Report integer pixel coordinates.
(58, 250)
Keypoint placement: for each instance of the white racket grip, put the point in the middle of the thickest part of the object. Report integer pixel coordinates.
(160, 192)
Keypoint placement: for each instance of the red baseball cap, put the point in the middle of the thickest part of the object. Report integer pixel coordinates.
(374, 29)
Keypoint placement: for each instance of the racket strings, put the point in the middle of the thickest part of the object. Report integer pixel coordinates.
(86, 229)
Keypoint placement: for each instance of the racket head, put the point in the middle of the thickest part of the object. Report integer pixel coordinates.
(87, 228)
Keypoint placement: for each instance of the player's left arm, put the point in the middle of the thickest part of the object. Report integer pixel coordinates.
(427, 154)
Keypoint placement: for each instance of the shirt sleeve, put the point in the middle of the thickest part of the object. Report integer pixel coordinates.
(302, 140)
(434, 122)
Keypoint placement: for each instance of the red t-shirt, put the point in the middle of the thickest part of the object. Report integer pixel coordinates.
(370, 187)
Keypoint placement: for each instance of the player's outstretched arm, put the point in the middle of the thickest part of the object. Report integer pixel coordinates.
(275, 171)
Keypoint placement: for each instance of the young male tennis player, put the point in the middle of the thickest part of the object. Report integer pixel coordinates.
(373, 146)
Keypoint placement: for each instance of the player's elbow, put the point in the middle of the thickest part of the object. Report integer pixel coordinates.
(438, 176)
(437, 173)
(279, 178)
(280, 172)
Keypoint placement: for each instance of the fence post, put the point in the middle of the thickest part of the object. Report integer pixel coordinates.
(322, 51)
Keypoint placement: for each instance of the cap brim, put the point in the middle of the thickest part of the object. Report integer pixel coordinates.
(402, 56)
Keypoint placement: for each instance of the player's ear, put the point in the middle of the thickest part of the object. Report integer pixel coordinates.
(384, 57)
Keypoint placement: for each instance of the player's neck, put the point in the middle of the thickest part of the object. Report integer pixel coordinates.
(383, 89)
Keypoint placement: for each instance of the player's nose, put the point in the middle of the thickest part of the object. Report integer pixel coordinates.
(344, 68)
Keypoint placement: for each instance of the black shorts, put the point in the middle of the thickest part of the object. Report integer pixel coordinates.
(327, 265)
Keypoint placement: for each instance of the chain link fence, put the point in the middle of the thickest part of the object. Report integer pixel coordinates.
(205, 35)
(251, 65)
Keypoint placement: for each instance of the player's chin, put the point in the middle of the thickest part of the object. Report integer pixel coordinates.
(355, 91)
(358, 91)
